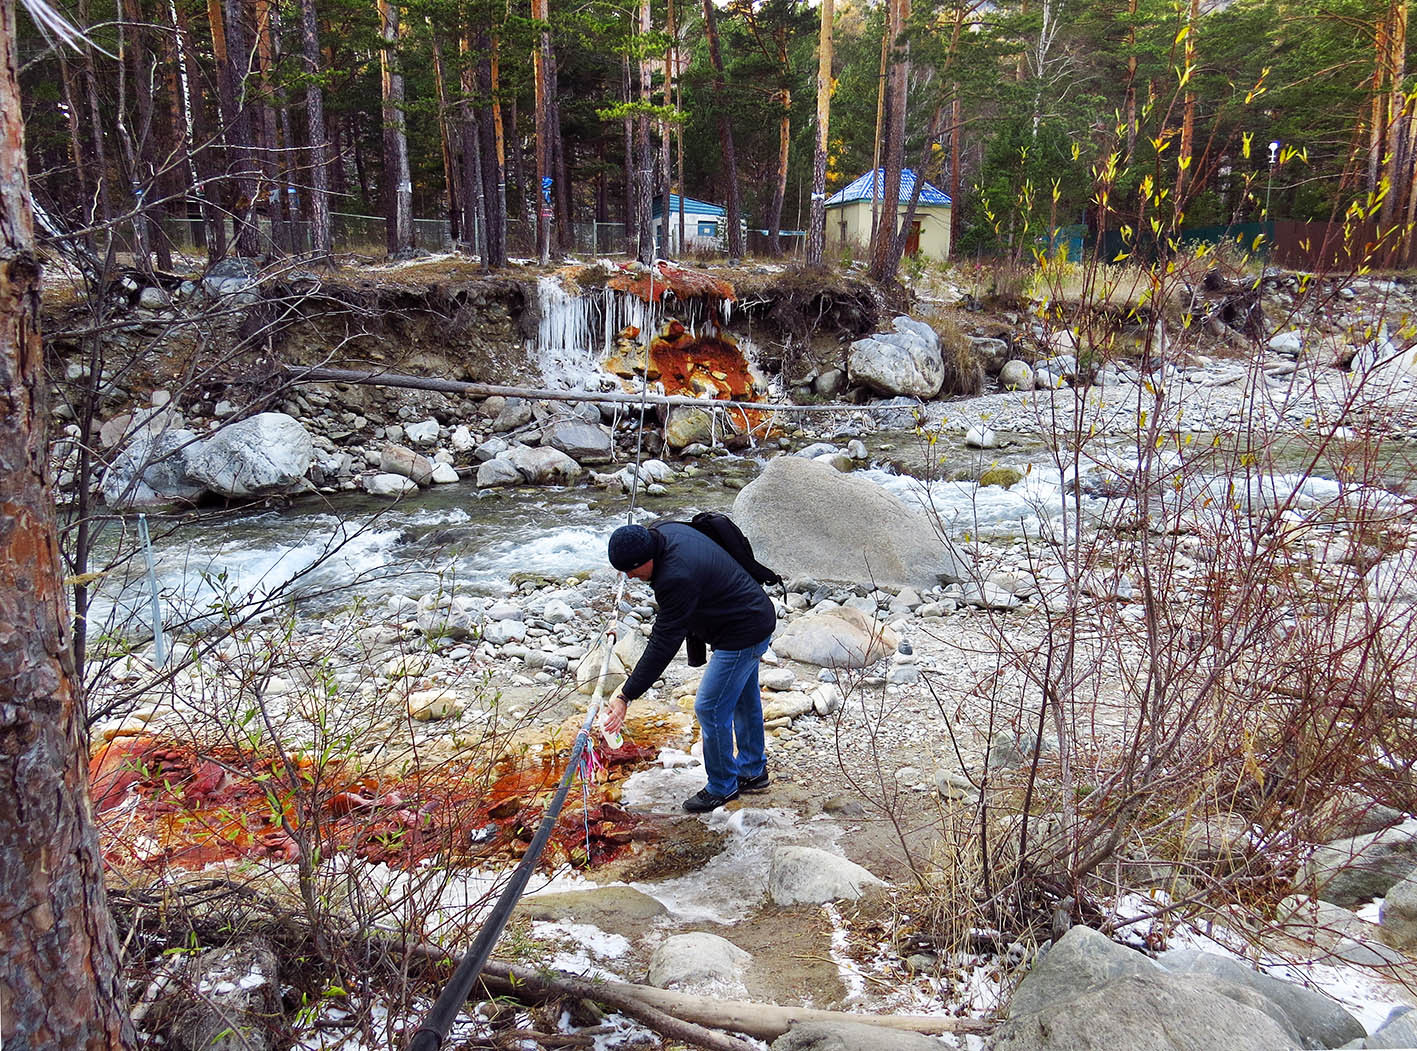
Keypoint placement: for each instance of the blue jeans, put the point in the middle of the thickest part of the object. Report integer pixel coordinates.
(730, 706)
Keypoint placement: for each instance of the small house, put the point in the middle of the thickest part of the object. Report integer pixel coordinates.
(849, 214)
(705, 225)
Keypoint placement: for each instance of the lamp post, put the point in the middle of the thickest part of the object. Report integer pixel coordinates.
(1273, 160)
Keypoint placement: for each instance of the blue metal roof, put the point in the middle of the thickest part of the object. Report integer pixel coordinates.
(690, 206)
(873, 184)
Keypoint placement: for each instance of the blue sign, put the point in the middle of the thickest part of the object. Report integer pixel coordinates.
(546, 188)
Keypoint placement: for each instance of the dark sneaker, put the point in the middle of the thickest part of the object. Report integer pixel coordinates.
(702, 801)
(754, 784)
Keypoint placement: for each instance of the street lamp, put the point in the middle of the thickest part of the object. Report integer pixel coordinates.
(1273, 160)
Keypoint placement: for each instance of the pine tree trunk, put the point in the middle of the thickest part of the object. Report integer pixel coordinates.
(667, 184)
(202, 147)
(499, 132)
(1185, 156)
(274, 184)
(470, 152)
(60, 978)
(779, 190)
(644, 162)
(632, 229)
(232, 44)
(398, 190)
(519, 196)
(495, 254)
(817, 224)
(883, 263)
(445, 137)
(544, 150)
(320, 241)
(1395, 147)
(725, 137)
(560, 167)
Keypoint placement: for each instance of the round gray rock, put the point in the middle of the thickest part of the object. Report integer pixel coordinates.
(806, 519)
(263, 454)
(808, 876)
(699, 962)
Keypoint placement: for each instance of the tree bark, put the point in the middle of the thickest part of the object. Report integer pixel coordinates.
(560, 167)
(632, 229)
(667, 185)
(1394, 151)
(321, 243)
(451, 196)
(644, 162)
(725, 137)
(474, 218)
(882, 250)
(60, 985)
(494, 255)
(398, 190)
(231, 44)
(540, 12)
(271, 168)
(779, 190)
(1185, 156)
(817, 224)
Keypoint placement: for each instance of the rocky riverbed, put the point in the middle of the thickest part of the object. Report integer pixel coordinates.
(899, 683)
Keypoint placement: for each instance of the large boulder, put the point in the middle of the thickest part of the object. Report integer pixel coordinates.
(400, 459)
(585, 442)
(541, 465)
(1146, 1012)
(155, 469)
(1351, 872)
(835, 638)
(1088, 992)
(498, 471)
(807, 519)
(690, 425)
(1319, 1020)
(904, 362)
(263, 454)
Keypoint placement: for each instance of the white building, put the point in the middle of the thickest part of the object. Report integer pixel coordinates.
(705, 225)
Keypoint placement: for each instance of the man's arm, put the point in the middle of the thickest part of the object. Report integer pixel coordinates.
(676, 606)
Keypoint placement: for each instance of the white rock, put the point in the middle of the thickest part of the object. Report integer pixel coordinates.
(389, 485)
(701, 963)
(557, 612)
(444, 474)
(981, 438)
(462, 439)
(808, 876)
(501, 632)
(776, 678)
(427, 705)
(424, 432)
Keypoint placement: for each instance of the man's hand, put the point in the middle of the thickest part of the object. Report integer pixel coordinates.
(615, 713)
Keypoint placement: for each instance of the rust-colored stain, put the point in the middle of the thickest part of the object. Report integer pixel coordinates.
(166, 804)
(651, 284)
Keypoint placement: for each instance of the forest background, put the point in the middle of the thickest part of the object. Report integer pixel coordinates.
(241, 124)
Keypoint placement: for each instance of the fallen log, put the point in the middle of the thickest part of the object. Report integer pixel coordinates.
(763, 1021)
(302, 374)
(550, 984)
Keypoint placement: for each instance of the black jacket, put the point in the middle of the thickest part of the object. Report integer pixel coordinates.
(702, 591)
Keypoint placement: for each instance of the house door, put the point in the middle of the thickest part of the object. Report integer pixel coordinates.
(912, 243)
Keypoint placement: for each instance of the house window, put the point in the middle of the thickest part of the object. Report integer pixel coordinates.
(709, 229)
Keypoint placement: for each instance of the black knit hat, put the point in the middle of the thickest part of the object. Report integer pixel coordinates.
(631, 546)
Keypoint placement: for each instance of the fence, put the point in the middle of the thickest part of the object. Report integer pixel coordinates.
(352, 234)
